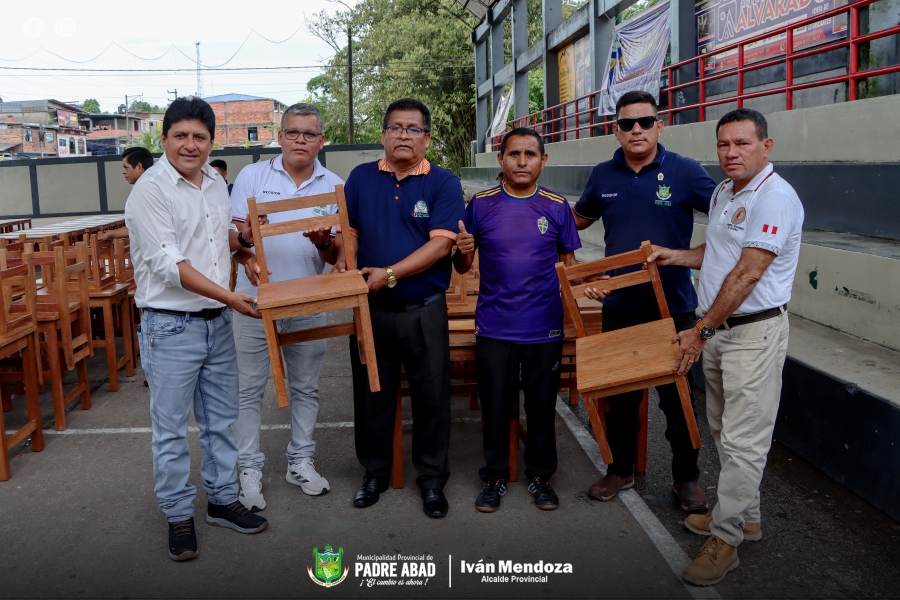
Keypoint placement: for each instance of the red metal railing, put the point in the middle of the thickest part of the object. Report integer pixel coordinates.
(554, 124)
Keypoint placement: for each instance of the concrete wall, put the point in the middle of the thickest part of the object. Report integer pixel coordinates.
(95, 184)
(845, 132)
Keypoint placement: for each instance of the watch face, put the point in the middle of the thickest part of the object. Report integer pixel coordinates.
(391, 283)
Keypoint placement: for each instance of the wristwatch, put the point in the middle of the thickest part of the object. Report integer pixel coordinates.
(392, 279)
(242, 241)
(706, 332)
(324, 247)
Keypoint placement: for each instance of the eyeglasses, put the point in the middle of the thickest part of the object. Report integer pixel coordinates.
(293, 134)
(413, 132)
(645, 123)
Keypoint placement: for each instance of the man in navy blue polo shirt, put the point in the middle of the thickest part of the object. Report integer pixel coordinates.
(646, 193)
(405, 213)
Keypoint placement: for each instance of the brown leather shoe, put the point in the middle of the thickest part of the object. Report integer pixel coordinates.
(690, 495)
(699, 524)
(609, 486)
(713, 562)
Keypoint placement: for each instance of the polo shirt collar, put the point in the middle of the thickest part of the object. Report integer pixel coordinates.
(760, 177)
(318, 170)
(423, 168)
(174, 175)
(619, 156)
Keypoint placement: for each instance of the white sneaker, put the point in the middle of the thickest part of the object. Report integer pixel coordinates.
(304, 474)
(251, 490)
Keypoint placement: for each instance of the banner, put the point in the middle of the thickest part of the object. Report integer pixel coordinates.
(575, 70)
(636, 57)
(723, 22)
(498, 125)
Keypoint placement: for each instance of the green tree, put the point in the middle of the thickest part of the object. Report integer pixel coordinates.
(401, 48)
(145, 107)
(91, 106)
(151, 140)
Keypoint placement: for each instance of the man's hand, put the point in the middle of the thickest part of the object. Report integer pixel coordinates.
(465, 241)
(594, 293)
(340, 266)
(104, 236)
(661, 256)
(318, 236)
(244, 304)
(247, 231)
(252, 271)
(689, 352)
(376, 278)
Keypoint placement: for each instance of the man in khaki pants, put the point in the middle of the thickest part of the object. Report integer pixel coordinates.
(748, 266)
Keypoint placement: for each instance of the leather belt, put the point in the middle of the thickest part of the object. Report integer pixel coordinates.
(207, 313)
(753, 318)
(410, 306)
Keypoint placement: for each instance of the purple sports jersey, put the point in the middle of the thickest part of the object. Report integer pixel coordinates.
(519, 241)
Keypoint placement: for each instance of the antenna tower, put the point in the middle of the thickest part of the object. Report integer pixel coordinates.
(199, 76)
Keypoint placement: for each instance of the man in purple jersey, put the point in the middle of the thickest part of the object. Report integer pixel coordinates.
(522, 230)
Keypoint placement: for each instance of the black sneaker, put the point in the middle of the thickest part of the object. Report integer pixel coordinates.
(234, 516)
(544, 496)
(488, 500)
(182, 540)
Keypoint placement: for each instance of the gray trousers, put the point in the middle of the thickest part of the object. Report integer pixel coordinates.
(302, 363)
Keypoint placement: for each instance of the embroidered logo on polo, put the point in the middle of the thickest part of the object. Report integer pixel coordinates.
(663, 195)
(320, 210)
(270, 192)
(739, 215)
(420, 210)
(773, 229)
(542, 225)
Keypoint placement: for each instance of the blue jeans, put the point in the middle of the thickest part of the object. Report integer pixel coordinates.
(302, 363)
(191, 362)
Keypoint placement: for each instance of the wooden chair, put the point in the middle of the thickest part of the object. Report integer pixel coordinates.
(308, 295)
(628, 359)
(110, 303)
(124, 273)
(17, 337)
(63, 314)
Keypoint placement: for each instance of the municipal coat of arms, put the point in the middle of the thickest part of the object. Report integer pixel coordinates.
(664, 192)
(420, 210)
(328, 567)
(542, 225)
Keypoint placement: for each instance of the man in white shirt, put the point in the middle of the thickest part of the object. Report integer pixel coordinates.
(296, 173)
(748, 266)
(178, 216)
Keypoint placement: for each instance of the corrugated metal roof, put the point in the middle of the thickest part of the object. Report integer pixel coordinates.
(234, 98)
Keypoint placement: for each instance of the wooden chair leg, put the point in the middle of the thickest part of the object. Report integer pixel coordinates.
(593, 406)
(31, 393)
(84, 384)
(55, 374)
(127, 336)
(275, 358)
(360, 345)
(640, 463)
(109, 343)
(364, 328)
(397, 464)
(684, 393)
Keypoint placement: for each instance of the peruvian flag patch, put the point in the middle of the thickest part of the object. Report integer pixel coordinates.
(774, 229)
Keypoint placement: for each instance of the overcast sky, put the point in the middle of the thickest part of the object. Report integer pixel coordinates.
(81, 32)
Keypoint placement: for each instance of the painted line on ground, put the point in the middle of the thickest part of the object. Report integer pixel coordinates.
(275, 427)
(656, 531)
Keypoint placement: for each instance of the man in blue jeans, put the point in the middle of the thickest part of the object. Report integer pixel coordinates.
(179, 216)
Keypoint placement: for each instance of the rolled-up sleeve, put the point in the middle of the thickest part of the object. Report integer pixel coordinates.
(151, 225)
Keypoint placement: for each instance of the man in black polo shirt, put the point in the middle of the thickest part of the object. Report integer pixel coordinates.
(405, 213)
(646, 193)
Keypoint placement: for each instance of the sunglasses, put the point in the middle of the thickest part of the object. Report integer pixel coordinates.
(645, 123)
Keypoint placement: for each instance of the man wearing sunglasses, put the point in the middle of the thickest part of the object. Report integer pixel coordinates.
(405, 212)
(296, 173)
(646, 193)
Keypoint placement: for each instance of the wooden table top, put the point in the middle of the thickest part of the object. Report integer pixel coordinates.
(84, 224)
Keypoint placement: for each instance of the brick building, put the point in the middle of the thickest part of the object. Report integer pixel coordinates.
(241, 119)
(48, 128)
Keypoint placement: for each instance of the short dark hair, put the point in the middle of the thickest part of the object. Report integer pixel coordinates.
(635, 97)
(190, 107)
(408, 104)
(138, 156)
(219, 164)
(522, 131)
(746, 114)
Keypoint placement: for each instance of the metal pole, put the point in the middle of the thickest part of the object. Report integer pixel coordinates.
(350, 76)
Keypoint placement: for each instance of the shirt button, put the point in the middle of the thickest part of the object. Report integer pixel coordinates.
(398, 185)
(163, 245)
(396, 197)
(210, 239)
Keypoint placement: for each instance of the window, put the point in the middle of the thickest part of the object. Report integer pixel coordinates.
(71, 145)
(81, 146)
(28, 135)
(62, 142)
(252, 134)
(48, 137)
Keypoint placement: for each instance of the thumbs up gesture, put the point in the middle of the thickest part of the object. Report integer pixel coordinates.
(465, 241)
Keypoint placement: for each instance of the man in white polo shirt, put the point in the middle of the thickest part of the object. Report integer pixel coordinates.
(297, 172)
(748, 266)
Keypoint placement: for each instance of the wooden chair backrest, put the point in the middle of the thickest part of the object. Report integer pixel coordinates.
(260, 232)
(20, 276)
(100, 263)
(635, 257)
(121, 251)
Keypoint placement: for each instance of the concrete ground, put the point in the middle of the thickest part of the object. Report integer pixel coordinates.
(80, 519)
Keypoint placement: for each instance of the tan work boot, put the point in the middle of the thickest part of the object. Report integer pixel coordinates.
(699, 524)
(609, 486)
(713, 562)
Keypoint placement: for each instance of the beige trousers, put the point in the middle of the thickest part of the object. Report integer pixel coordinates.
(743, 367)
